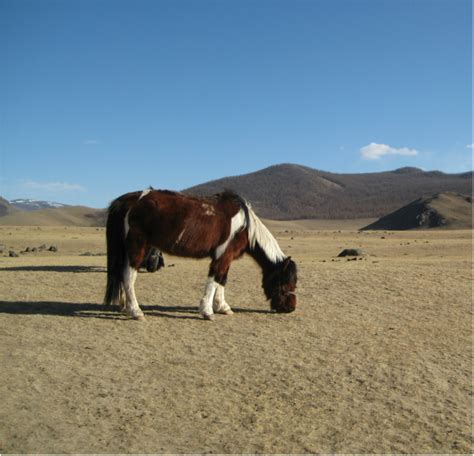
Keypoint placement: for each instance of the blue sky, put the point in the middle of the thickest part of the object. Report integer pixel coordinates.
(101, 97)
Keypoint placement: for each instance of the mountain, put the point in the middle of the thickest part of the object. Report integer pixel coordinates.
(61, 216)
(280, 192)
(34, 205)
(289, 191)
(443, 210)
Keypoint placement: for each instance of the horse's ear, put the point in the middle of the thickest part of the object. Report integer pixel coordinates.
(286, 263)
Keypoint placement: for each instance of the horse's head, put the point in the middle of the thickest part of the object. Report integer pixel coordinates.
(280, 285)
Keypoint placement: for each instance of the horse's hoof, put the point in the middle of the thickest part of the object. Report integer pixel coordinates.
(224, 311)
(139, 317)
(210, 317)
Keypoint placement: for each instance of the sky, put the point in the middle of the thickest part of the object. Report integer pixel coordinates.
(102, 97)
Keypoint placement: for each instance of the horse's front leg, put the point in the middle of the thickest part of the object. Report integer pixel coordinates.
(205, 306)
(213, 300)
(218, 276)
(220, 305)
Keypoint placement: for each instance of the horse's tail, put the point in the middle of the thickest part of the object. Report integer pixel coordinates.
(116, 250)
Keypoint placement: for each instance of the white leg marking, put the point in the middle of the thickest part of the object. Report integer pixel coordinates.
(131, 304)
(122, 299)
(205, 306)
(220, 305)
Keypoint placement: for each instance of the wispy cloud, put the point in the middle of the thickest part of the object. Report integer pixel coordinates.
(374, 151)
(470, 146)
(91, 142)
(52, 187)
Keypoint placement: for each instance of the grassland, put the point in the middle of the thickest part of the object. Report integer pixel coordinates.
(376, 359)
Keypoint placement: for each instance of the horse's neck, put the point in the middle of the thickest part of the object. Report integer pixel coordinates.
(259, 255)
(269, 269)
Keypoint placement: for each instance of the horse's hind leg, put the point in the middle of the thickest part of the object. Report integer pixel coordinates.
(131, 304)
(122, 299)
(135, 255)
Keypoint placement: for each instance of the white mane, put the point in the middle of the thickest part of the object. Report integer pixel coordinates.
(259, 233)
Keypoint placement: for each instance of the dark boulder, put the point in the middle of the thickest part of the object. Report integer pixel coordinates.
(351, 253)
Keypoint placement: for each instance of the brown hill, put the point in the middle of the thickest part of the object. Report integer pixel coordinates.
(443, 210)
(64, 216)
(288, 191)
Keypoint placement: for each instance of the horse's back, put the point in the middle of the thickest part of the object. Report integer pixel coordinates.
(180, 224)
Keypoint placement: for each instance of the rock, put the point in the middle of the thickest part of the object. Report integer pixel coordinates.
(351, 252)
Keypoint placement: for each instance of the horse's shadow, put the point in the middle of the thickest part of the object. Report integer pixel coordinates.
(90, 310)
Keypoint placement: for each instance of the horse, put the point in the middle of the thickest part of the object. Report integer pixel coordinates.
(222, 227)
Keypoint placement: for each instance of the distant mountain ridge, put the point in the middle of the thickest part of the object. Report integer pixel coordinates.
(26, 212)
(280, 192)
(26, 204)
(290, 191)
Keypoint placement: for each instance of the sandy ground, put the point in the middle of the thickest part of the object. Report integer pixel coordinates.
(376, 359)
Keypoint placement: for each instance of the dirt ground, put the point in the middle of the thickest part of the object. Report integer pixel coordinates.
(376, 359)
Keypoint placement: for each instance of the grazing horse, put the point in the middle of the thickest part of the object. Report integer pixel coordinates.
(222, 227)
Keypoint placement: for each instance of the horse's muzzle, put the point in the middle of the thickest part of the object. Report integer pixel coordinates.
(284, 303)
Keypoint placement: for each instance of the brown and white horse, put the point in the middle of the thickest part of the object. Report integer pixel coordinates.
(222, 227)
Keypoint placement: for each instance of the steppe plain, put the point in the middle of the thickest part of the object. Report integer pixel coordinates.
(377, 357)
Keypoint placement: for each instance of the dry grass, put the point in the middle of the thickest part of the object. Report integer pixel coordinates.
(377, 358)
